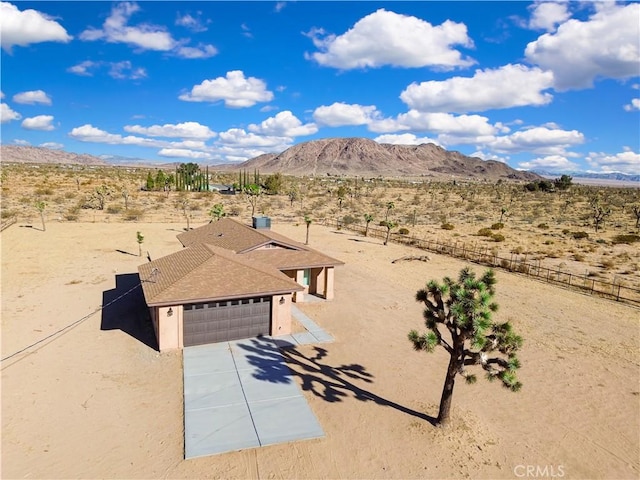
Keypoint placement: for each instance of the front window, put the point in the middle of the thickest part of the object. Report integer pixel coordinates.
(305, 277)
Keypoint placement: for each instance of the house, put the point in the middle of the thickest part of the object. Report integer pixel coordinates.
(231, 281)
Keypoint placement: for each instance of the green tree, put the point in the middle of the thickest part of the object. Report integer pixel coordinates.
(151, 184)
(217, 211)
(161, 180)
(462, 311)
(307, 221)
(368, 218)
(100, 195)
(389, 226)
(139, 239)
(563, 183)
(40, 206)
(273, 183)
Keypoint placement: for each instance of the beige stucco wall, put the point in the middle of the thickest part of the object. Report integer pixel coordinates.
(281, 314)
(328, 287)
(169, 328)
(317, 281)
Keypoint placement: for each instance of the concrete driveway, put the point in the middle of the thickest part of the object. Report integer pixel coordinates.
(239, 395)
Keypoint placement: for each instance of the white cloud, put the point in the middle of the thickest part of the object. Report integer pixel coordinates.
(201, 51)
(7, 115)
(115, 29)
(388, 38)
(84, 68)
(40, 122)
(279, 6)
(605, 46)
(239, 137)
(539, 140)
(405, 139)
(489, 156)
(25, 27)
(52, 145)
(441, 123)
(184, 153)
(340, 114)
(124, 70)
(627, 161)
(89, 133)
(236, 91)
(120, 70)
(505, 87)
(547, 15)
(284, 124)
(180, 130)
(554, 163)
(634, 105)
(32, 97)
(19, 141)
(195, 24)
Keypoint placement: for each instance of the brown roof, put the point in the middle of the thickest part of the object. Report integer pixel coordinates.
(203, 272)
(233, 235)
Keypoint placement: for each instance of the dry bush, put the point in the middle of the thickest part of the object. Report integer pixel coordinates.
(133, 215)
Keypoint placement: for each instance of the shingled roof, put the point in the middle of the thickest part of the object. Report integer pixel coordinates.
(204, 272)
(240, 238)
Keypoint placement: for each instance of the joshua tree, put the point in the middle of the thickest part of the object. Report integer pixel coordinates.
(464, 309)
(308, 221)
(100, 195)
(40, 206)
(636, 212)
(185, 207)
(390, 206)
(503, 210)
(253, 192)
(390, 225)
(217, 212)
(293, 194)
(368, 218)
(125, 195)
(139, 239)
(599, 212)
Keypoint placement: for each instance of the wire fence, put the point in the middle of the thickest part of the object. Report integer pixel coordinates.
(516, 263)
(7, 223)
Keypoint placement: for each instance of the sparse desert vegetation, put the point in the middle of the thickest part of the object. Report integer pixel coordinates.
(556, 225)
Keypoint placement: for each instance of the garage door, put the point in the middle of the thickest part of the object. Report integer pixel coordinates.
(222, 321)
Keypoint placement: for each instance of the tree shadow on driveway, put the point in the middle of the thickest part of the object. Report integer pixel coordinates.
(331, 383)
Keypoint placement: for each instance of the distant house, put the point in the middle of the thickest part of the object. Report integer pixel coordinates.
(223, 189)
(231, 281)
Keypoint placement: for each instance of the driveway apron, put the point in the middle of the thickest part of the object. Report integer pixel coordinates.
(239, 395)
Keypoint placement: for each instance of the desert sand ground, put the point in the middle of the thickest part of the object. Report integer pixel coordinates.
(98, 402)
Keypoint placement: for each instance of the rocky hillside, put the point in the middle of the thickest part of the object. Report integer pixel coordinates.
(361, 156)
(18, 154)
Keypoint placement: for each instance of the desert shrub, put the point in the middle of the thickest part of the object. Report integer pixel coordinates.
(517, 250)
(69, 195)
(447, 226)
(133, 215)
(43, 191)
(625, 238)
(504, 263)
(485, 232)
(348, 220)
(403, 231)
(548, 242)
(579, 257)
(608, 263)
(8, 213)
(234, 211)
(71, 217)
(579, 235)
(543, 226)
(114, 209)
(498, 237)
(601, 240)
(566, 231)
(497, 226)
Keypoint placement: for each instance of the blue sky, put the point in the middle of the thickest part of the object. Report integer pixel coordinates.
(542, 85)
